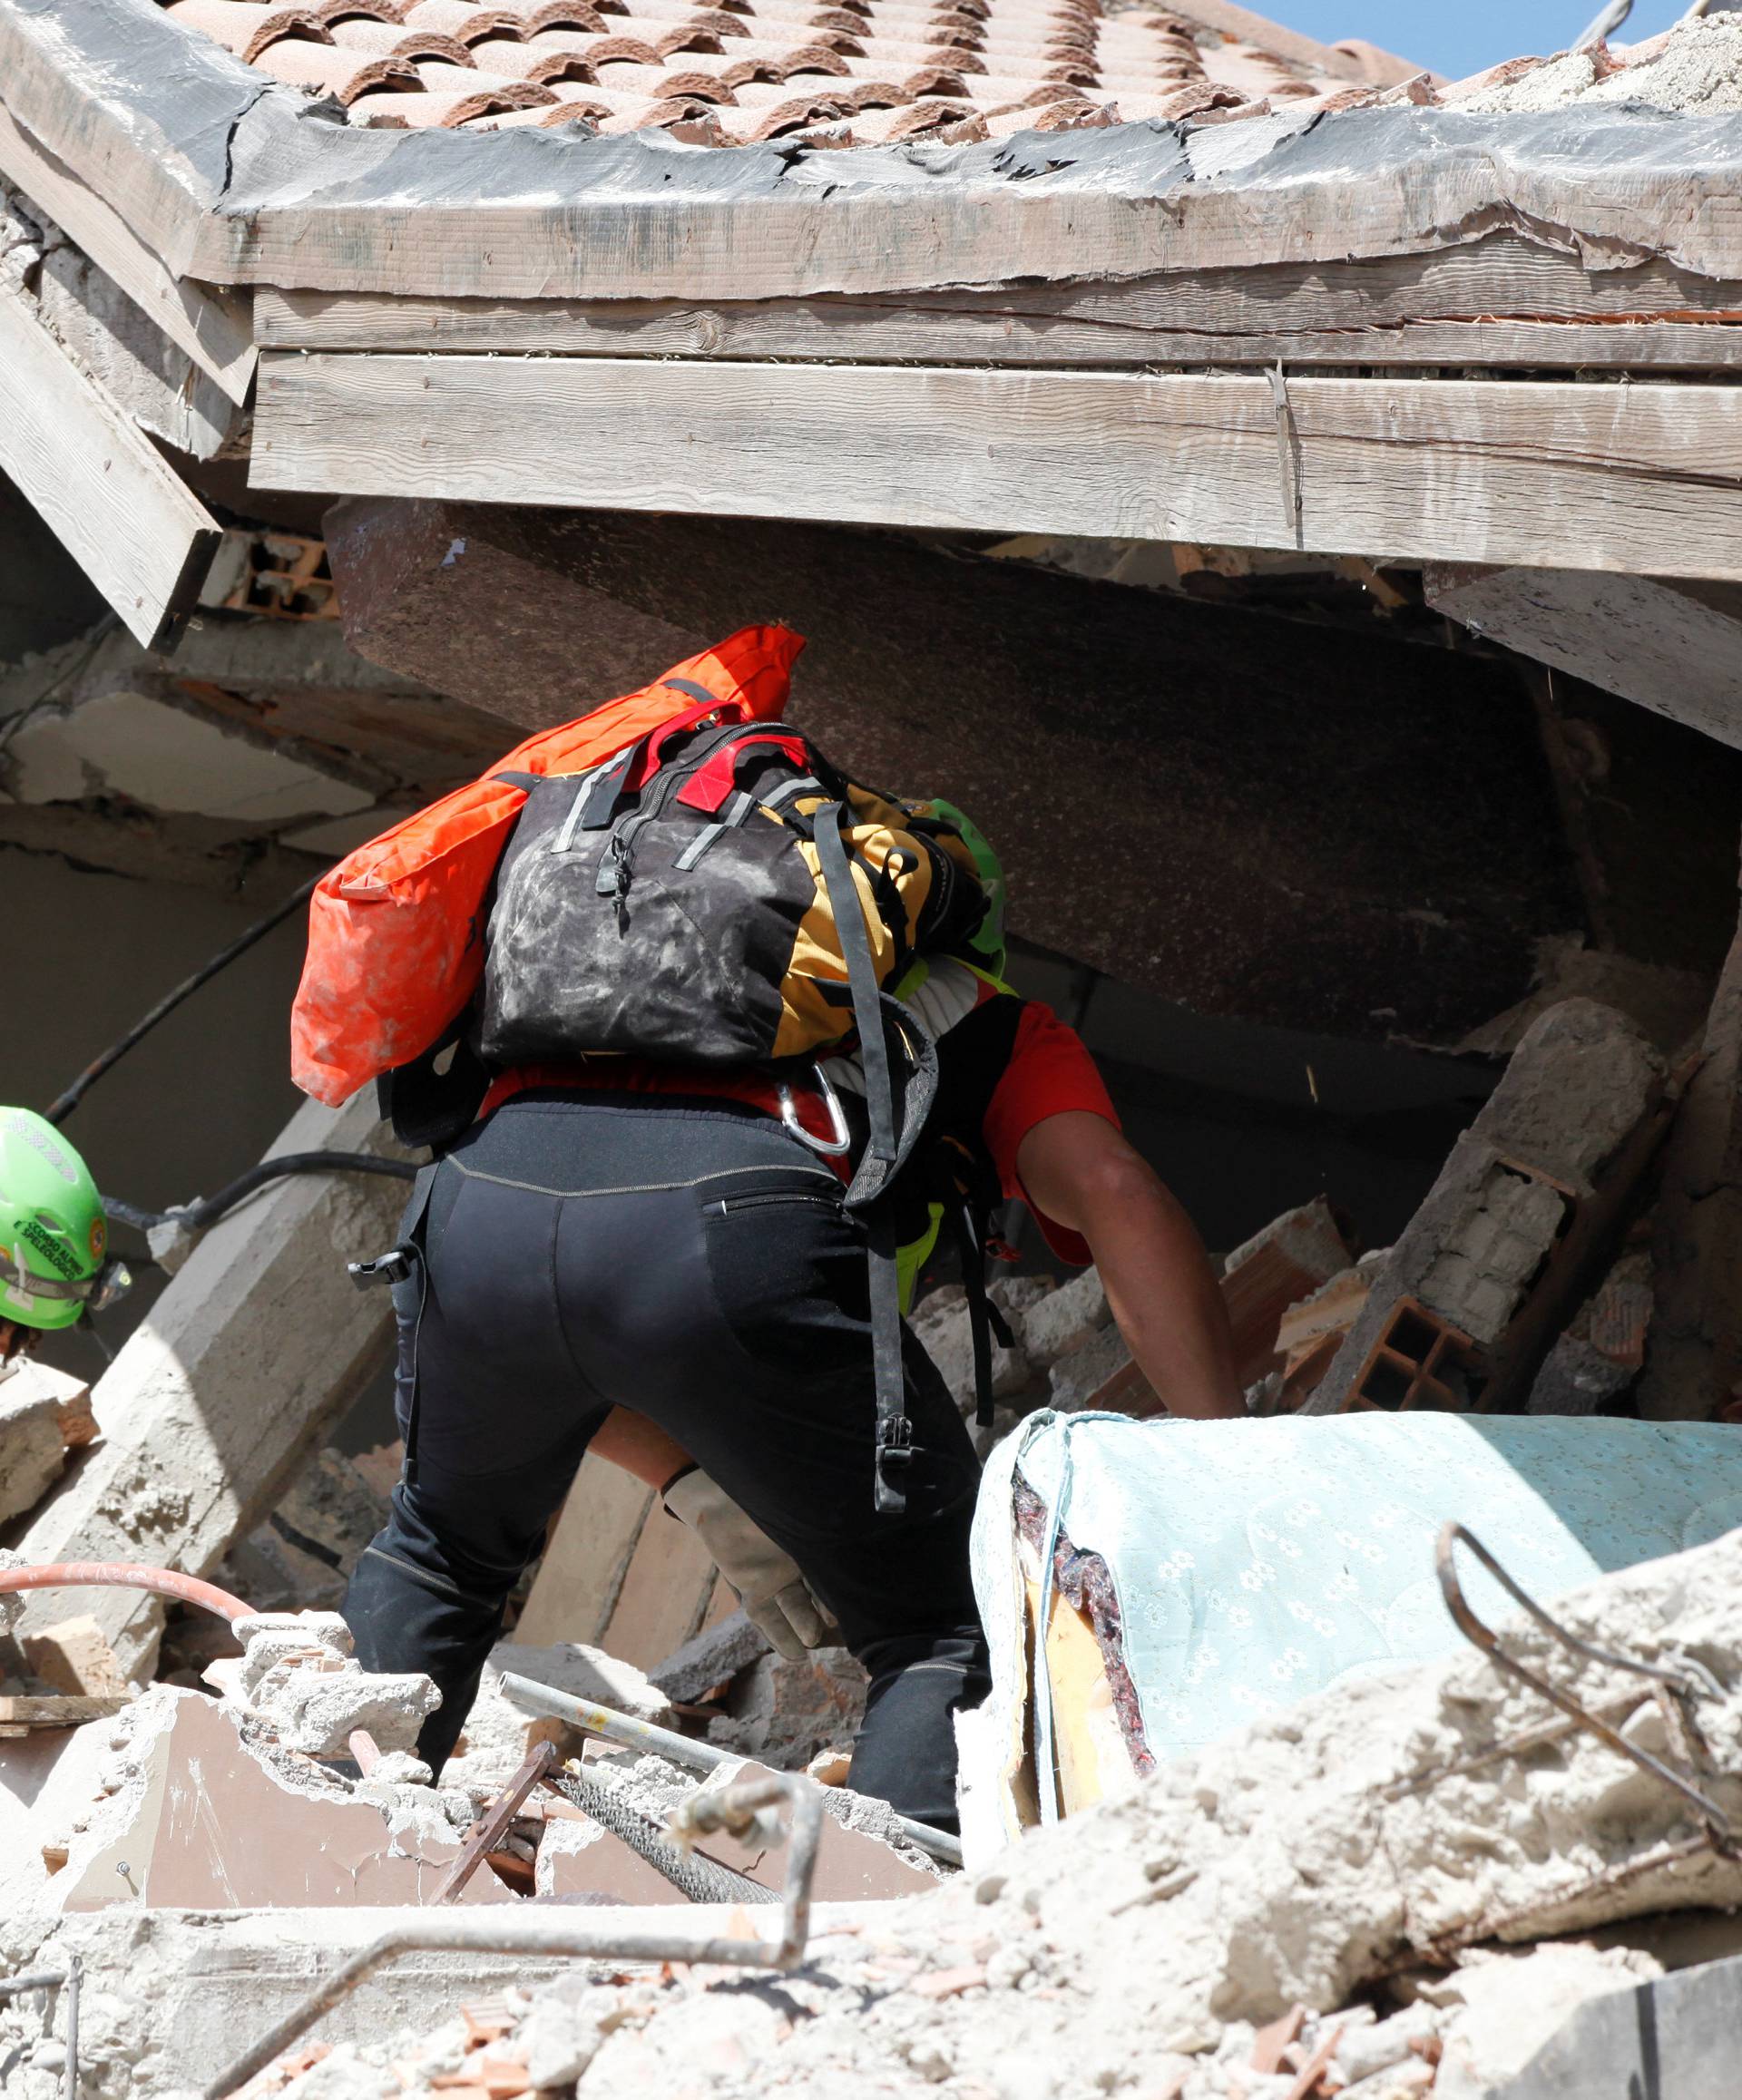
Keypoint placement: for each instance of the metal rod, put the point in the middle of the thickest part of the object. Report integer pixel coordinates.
(699, 1880)
(32, 1979)
(493, 1825)
(55, 1980)
(494, 1932)
(1684, 1682)
(70, 2083)
(684, 1750)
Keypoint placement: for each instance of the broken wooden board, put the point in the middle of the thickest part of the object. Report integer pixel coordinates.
(1499, 301)
(221, 174)
(212, 328)
(20, 1712)
(101, 487)
(1543, 473)
(587, 1553)
(1639, 636)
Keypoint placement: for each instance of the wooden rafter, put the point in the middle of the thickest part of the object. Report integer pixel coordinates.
(1640, 477)
(101, 487)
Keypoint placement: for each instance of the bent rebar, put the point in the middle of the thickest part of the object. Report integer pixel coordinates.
(1690, 1679)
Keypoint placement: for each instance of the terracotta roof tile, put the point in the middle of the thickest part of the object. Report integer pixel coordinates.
(427, 110)
(329, 69)
(536, 17)
(836, 73)
(244, 28)
(394, 40)
(560, 55)
(461, 19)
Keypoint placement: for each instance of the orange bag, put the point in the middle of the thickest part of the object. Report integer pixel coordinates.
(396, 929)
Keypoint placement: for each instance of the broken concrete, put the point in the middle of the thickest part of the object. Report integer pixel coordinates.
(206, 1813)
(1673, 2035)
(33, 1450)
(1543, 1168)
(1600, 1355)
(716, 1654)
(499, 1735)
(784, 1711)
(170, 1995)
(72, 1657)
(1143, 1947)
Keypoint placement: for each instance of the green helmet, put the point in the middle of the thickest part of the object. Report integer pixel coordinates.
(53, 1237)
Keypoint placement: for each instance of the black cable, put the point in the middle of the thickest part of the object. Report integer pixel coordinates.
(196, 1217)
(62, 1106)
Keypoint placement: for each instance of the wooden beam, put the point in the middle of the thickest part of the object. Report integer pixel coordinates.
(1546, 474)
(212, 328)
(63, 78)
(100, 487)
(1501, 300)
(1638, 635)
(586, 1557)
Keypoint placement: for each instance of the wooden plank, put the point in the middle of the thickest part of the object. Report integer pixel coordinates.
(81, 113)
(667, 1590)
(588, 1553)
(1232, 196)
(103, 489)
(1631, 635)
(58, 1710)
(1638, 477)
(213, 329)
(1500, 301)
(883, 332)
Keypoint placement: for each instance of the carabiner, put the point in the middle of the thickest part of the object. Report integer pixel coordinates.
(843, 1138)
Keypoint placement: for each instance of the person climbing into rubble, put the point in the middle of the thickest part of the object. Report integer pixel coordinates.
(666, 1259)
(55, 1261)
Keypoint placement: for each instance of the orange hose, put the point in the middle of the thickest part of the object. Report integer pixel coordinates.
(125, 1575)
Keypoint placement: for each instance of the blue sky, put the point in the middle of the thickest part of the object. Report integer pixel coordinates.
(1461, 36)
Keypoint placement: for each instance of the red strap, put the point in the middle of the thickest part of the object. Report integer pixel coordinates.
(644, 768)
(713, 782)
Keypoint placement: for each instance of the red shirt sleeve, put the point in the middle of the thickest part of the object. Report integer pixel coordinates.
(1050, 1072)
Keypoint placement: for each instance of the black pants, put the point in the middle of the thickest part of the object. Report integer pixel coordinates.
(693, 1263)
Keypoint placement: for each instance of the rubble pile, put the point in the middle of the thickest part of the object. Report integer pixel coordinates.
(1342, 1900)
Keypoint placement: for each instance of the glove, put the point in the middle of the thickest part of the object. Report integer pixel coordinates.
(776, 1596)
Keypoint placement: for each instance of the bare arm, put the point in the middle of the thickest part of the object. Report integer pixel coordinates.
(1158, 1282)
(631, 1441)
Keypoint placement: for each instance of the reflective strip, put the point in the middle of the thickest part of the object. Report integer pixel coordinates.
(697, 847)
(736, 811)
(29, 1285)
(565, 837)
(805, 784)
